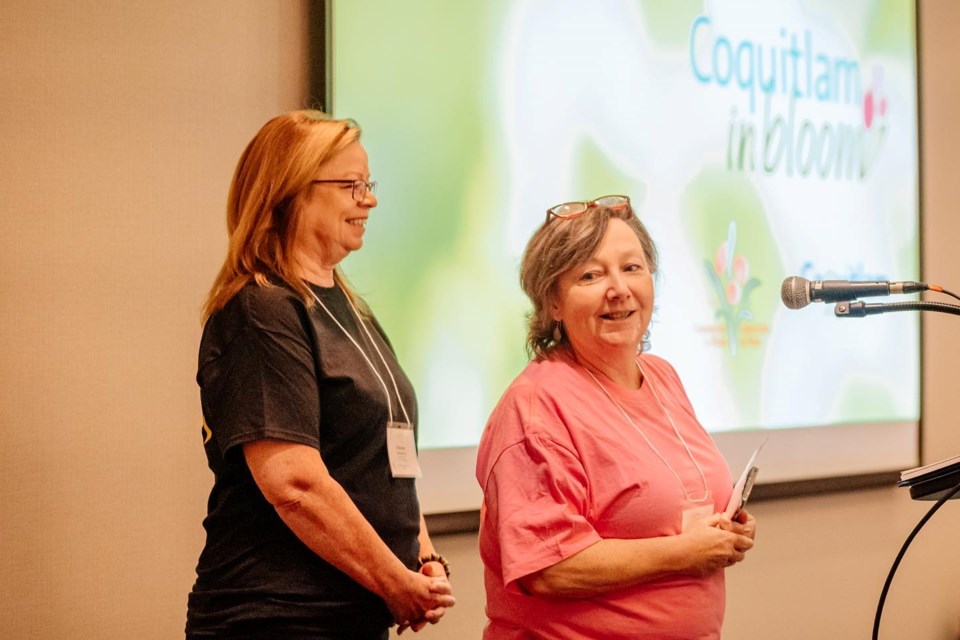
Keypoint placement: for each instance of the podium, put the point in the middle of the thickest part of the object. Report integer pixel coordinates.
(933, 481)
(939, 481)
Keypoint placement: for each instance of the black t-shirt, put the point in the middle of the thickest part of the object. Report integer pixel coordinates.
(269, 367)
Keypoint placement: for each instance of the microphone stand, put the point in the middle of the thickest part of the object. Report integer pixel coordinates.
(857, 309)
(931, 485)
(947, 480)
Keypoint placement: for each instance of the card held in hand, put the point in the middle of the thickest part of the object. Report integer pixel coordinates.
(741, 490)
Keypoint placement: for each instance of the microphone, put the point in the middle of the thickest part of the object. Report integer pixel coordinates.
(797, 292)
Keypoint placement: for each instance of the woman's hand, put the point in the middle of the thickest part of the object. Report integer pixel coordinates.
(294, 479)
(716, 542)
(431, 609)
(744, 524)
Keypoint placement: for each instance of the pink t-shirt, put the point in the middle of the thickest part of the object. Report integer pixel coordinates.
(561, 469)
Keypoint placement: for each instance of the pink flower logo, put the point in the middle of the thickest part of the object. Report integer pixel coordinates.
(874, 100)
(734, 292)
(729, 274)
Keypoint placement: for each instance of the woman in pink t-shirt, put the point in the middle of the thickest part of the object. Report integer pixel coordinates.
(603, 495)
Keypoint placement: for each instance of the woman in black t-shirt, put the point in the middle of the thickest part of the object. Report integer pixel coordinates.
(313, 525)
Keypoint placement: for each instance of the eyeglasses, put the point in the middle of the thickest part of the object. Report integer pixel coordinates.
(569, 210)
(360, 187)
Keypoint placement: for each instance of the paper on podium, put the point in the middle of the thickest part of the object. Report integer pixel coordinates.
(741, 490)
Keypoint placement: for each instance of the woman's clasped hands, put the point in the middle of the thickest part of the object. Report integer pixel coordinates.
(426, 598)
(717, 541)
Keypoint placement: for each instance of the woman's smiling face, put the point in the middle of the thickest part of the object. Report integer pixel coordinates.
(333, 222)
(606, 303)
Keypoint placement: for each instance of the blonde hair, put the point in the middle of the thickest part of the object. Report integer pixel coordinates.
(263, 206)
(557, 246)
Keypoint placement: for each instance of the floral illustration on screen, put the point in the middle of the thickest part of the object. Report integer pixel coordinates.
(729, 274)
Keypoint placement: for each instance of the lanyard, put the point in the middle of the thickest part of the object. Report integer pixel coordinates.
(363, 325)
(706, 490)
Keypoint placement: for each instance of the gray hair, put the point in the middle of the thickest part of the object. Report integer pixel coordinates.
(556, 247)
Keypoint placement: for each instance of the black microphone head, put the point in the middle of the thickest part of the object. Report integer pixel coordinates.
(795, 292)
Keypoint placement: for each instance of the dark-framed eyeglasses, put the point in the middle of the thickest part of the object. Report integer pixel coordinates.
(569, 210)
(360, 187)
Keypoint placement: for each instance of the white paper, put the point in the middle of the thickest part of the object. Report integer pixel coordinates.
(741, 490)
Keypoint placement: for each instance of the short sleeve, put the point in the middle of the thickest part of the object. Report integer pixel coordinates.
(257, 371)
(536, 496)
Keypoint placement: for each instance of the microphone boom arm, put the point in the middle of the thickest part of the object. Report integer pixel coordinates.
(858, 309)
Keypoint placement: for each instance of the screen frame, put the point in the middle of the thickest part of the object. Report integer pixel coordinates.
(443, 505)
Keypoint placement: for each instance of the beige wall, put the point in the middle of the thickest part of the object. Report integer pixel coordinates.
(120, 124)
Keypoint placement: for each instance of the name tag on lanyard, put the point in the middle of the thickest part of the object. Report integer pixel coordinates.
(402, 451)
(697, 509)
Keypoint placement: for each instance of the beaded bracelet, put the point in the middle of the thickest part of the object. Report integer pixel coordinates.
(434, 557)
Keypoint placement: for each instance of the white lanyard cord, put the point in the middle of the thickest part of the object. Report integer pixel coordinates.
(706, 490)
(386, 391)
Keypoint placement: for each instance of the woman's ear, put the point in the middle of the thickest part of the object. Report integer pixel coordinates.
(555, 309)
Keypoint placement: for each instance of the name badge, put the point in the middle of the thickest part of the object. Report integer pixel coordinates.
(402, 451)
(693, 514)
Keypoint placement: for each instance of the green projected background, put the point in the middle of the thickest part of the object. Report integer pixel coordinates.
(756, 140)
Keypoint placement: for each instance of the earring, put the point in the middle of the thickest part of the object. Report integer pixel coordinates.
(557, 336)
